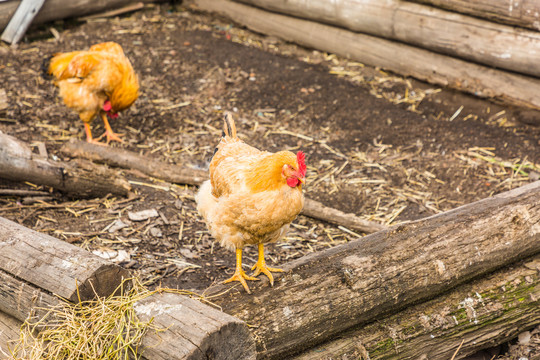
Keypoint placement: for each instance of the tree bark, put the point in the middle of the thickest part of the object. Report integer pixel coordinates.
(524, 13)
(483, 313)
(176, 174)
(18, 163)
(427, 27)
(194, 331)
(400, 58)
(53, 265)
(326, 293)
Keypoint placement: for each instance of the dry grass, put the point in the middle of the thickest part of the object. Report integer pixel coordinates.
(103, 328)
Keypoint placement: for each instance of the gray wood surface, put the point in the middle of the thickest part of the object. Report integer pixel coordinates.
(483, 313)
(195, 331)
(55, 266)
(524, 13)
(326, 293)
(400, 58)
(427, 27)
(9, 331)
(21, 20)
(60, 9)
(18, 163)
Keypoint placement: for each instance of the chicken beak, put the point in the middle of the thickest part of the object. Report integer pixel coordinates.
(302, 180)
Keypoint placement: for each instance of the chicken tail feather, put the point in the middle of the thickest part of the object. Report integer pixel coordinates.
(229, 128)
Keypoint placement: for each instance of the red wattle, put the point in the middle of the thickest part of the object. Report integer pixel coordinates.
(292, 182)
(107, 106)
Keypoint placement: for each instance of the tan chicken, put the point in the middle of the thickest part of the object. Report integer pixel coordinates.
(251, 198)
(100, 81)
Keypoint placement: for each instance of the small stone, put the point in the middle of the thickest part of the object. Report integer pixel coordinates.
(524, 338)
(117, 225)
(156, 232)
(143, 215)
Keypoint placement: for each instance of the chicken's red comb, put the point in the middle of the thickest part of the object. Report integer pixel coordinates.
(107, 106)
(301, 159)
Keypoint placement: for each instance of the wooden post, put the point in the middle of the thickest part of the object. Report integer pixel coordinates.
(18, 163)
(427, 27)
(403, 59)
(326, 293)
(21, 20)
(194, 330)
(524, 13)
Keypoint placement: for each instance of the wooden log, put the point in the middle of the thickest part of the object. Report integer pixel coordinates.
(60, 9)
(524, 13)
(22, 300)
(52, 265)
(9, 332)
(194, 331)
(21, 20)
(326, 293)
(176, 174)
(427, 27)
(478, 315)
(397, 57)
(18, 163)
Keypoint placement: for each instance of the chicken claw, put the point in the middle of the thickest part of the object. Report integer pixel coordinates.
(239, 274)
(260, 266)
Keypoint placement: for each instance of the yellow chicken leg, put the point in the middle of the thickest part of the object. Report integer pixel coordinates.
(111, 135)
(260, 266)
(89, 137)
(239, 274)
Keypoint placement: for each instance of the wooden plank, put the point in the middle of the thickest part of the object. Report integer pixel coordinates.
(323, 294)
(9, 331)
(18, 163)
(397, 57)
(481, 314)
(60, 9)
(21, 20)
(524, 13)
(427, 27)
(54, 265)
(194, 331)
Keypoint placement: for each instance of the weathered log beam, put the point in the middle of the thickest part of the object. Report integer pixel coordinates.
(53, 266)
(403, 59)
(60, 9)
(194, 330)
(9, 332)
(427, 27)
(18, 163)
(129, 160)
(477, 315)
(524, 13)
(326, 293)
(180, 175)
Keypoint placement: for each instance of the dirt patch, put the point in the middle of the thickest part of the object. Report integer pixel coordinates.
(387, 148)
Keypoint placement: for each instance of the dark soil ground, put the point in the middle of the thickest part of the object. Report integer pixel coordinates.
(387, 148)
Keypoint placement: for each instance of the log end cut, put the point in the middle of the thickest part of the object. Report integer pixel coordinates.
(106, 280)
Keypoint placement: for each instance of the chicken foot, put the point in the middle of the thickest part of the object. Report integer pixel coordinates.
(109, 133)
(239, 274)
(260, 266)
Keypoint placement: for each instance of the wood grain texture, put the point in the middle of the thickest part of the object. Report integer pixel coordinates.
(326, 293)
(403, 59)
(21, 20)
(60, 9)
(18, 163)
(483, 313)
(524, 13)
(54, 265)
(427, 27)
(195, 331)
(9, 331)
